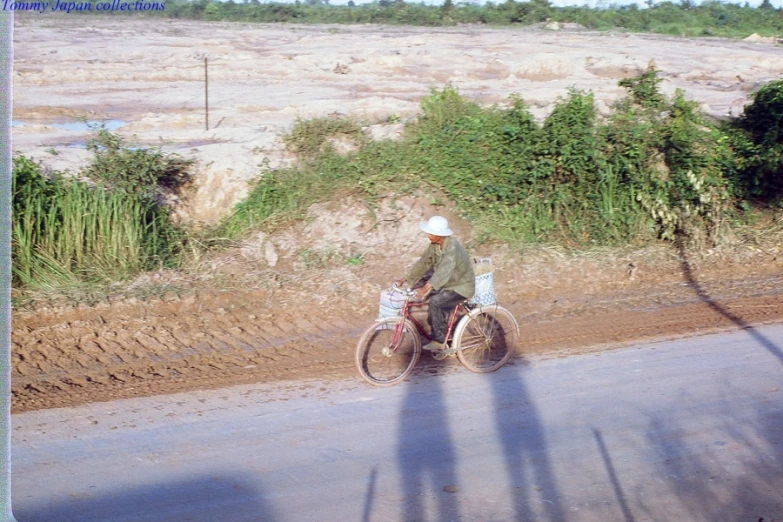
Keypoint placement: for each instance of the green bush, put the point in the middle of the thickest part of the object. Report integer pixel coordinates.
(643, 90)
(653, 168)
(135, 170)
(757, 137)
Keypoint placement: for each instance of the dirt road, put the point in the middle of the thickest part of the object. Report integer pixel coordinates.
(210, 339)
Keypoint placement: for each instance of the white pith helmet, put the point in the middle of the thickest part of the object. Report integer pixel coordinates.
(437, 226)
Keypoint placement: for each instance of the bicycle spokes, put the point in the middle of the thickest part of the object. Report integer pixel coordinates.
(486, 342)
(387, 353)
(480, 333)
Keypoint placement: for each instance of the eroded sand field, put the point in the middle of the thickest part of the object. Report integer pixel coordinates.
(147, 77)
(277, 314)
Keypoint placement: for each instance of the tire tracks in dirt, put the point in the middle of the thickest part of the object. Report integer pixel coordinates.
(211, 340)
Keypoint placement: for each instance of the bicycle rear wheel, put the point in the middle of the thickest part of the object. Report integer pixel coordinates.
(485, 339)
(380, 360)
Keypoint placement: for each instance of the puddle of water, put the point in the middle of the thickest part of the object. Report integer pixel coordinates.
(82, 144)
(197, 143)
(83, 126)
(110, 125)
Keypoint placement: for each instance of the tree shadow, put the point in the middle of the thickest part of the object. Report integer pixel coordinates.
(426, 456)
(733, 475)
(616, 486)
(531, 478)
(687, 271)
(202, 499)
(369, 496)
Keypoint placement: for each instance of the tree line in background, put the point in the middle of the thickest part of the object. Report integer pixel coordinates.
(653, 169)
(684, 18)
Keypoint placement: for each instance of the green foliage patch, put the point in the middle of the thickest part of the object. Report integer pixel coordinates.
(653, 168)
(757, 137)
(311, 137)
(136, 170)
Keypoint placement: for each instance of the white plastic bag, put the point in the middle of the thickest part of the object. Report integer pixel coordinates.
(391, 304)
(485, 283)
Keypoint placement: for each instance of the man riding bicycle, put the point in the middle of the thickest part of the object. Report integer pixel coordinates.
(452, 281)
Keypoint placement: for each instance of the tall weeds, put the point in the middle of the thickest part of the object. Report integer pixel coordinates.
(67, 231)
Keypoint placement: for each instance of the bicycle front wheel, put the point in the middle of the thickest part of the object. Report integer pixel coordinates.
(388, 351)
(485, 338)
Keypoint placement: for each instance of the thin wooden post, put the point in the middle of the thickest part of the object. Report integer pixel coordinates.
(206, 95)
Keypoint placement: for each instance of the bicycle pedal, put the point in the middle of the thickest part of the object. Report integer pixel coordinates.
(439, 356)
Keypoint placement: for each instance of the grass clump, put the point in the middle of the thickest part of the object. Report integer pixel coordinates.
(319, 135)
(280, 195)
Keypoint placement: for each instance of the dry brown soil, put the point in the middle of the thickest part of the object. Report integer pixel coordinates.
(212, 338)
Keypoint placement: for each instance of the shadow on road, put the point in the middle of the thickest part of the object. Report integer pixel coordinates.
(203, 499)
(426, 456)
(704, 296)
(616, 486)
(531, 479)
(734, 474)
(369, 497)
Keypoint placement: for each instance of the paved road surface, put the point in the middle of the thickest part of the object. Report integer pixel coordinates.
(684, 430)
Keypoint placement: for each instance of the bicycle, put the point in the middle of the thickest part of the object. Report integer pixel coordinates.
(483, 339)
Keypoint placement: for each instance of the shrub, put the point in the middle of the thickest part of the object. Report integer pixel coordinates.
(136, 170)
(757, 138)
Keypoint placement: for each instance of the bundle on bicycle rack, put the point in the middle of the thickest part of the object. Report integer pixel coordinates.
(485, 283)
(391, 304)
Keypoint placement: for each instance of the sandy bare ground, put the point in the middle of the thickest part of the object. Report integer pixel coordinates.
(291, 304)
(149, 76)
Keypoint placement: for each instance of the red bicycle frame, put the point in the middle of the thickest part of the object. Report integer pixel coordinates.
(405, 314)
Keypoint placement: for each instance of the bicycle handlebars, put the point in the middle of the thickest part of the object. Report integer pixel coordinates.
(408, 292)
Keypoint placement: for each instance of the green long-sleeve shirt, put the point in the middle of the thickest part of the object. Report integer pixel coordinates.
(453, 269)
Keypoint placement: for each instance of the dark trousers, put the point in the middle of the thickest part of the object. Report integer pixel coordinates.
(442, 303)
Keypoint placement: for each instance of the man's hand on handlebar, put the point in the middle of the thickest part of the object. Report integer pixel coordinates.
(420, 293)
